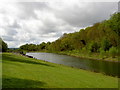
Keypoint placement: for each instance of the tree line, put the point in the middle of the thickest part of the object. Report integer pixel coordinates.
(100, 38)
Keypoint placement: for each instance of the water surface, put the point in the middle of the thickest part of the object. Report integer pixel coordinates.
(105, 67)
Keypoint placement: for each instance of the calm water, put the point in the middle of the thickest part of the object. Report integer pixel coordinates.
(108, 68)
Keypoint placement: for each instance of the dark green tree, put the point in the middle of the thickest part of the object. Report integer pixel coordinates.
(93, 47)
(3, 46)
(105, 44)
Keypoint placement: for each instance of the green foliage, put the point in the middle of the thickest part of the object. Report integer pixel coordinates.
(3, 46)
(66, 45)
(47, 45)
(42, 45)
(93, 47)
(113, 51)
(98, 38)
(34, 47)
(114, 23)
(29, 47)
(81, 30)
(105, 44)
(84, 50)
(102, 52)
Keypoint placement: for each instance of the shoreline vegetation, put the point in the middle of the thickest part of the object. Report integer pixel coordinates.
(100, 41)
(39, 74)
(93, 56)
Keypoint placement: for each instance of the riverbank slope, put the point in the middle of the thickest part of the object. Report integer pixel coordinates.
(95, 56)
(23, 72)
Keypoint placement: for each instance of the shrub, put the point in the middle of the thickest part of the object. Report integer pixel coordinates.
(113, 51)
(84, 50)
(102, 52)
(93, 47)
(105, 44)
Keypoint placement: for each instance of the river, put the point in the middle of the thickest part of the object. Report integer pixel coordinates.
(105, 67)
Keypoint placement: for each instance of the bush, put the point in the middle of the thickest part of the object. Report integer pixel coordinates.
(113, 51)
(93, 47)
(102, 52)
(105, 44)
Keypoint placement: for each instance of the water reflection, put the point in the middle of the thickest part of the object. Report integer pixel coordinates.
(105, 67)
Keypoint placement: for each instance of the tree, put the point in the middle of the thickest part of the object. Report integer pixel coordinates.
(66, 44)
(103, 35)
(93, 47)
(42, 45)
(113, 51)
(114, 23)
(47, 45)
(105, 44)
(3, 46)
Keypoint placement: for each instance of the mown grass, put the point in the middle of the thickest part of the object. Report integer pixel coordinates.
(22, 72)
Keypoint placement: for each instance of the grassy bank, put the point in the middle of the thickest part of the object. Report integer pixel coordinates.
(95, 56)
(23, 72)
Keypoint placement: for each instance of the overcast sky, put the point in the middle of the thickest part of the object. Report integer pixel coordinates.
(35, 22)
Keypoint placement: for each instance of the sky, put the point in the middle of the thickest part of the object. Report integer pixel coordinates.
(36, 22)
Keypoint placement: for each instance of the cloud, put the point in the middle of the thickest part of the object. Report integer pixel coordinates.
(35, 22)
(85, 14)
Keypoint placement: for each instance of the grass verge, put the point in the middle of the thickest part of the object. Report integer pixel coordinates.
(22, 72)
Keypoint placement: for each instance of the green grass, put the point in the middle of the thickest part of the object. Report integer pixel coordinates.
(22, 72)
